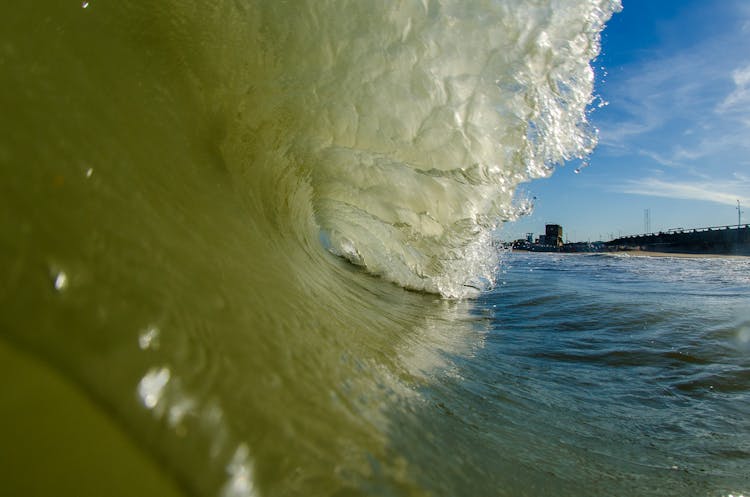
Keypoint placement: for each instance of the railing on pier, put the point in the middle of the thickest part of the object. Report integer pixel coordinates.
(683, 230)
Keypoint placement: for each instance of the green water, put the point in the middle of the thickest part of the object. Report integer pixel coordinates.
(57, 442)
(175, 176)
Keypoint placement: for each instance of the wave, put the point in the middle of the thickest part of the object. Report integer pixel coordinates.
(412, 122)
(182, 175)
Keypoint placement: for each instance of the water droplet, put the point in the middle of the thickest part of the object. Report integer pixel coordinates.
(149, 338)
(583, 166)
(85, 5)
(89, 172)
(240, 469)
(151, 386)
(178, 411)
(60, 281)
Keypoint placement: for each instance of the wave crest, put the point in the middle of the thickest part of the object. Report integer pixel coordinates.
(415, 122)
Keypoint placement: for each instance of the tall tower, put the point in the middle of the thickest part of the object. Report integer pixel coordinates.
(647, 220)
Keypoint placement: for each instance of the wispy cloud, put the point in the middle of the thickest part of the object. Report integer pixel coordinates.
(686, 107)
(721, 192)
(738, 101)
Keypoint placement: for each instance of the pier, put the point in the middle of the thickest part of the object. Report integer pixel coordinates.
(725, 240)
(716, 240)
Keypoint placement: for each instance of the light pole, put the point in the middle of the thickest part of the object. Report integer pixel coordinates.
(739, 215)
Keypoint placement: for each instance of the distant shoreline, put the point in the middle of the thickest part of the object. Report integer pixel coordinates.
(643, 253)
(683, 255)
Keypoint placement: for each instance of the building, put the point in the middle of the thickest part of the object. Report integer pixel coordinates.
(553, 235)
(551, 241)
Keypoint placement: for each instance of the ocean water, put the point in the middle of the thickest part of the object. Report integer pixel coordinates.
(625, 375)
(246, 250)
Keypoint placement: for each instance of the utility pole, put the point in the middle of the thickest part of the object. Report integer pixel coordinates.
(739, 223)
(739, 215)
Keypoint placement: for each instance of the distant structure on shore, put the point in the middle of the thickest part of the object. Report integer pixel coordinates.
(729, 240)
(552, 241)
(721, 240)
(553, 235)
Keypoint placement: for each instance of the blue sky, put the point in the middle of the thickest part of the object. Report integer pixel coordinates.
(674, 137)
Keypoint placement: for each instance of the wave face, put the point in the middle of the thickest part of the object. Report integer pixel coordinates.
(414, 122)
(178, 174)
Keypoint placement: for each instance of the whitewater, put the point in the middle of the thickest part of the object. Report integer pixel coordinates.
(247, 250)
